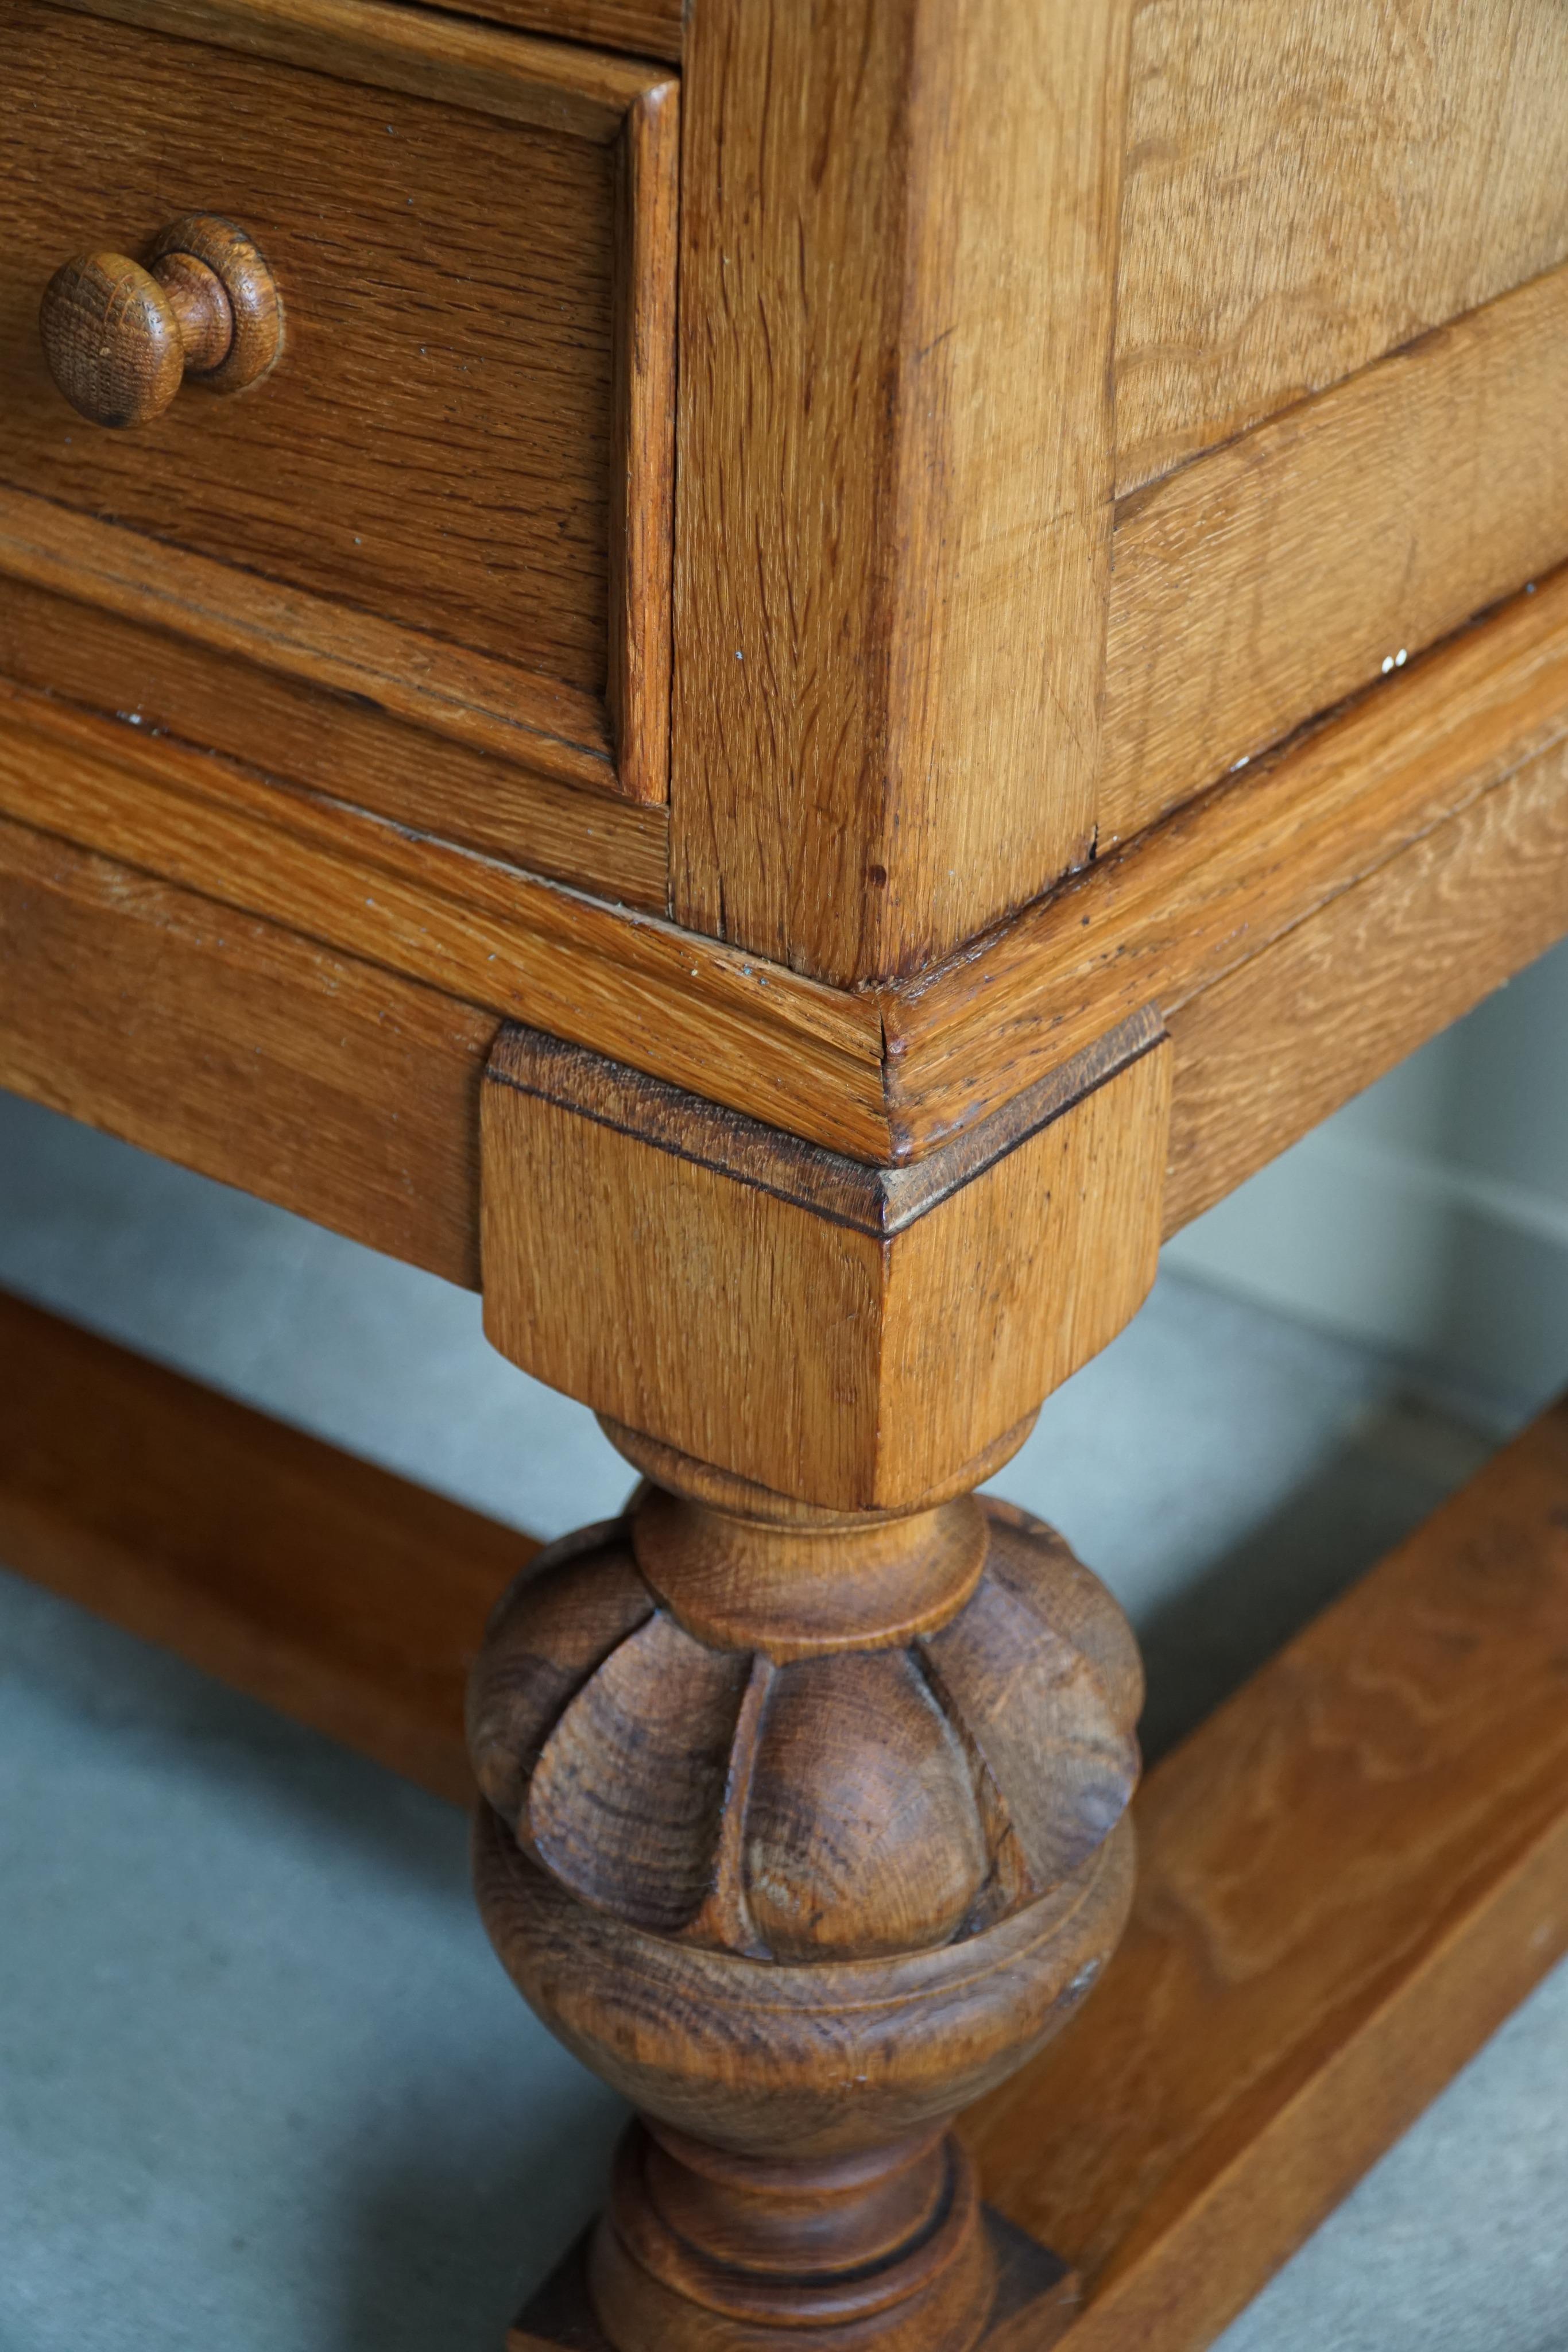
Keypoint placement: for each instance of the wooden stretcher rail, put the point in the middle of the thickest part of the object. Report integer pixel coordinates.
(1301, 1975)
(340, 1595)
(1348, 1876)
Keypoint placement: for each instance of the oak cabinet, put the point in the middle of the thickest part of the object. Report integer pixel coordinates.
(844, 657)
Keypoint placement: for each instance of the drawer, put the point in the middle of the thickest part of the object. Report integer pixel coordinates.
(444, 511)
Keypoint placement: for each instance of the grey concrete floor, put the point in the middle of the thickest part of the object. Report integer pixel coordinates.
(261, 2082)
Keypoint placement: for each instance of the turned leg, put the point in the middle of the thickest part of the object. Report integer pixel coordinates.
(802, 1828)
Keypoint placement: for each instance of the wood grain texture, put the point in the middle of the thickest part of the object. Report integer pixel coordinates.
(641, 516)
(334, 740)
(689, 2235)
(334, 1591)
(233, 330)
(1156, 926)
(373, 207)
(646, 28)
(237, 1048)
(1265, 582)
(463, 696)
(784, 1900)
(1269, 1051)
(804, 1056)
(476, 235)
(343, 1093)
(1032, 2301)
(550, 84)
(850, 1359)
(866, 1198)
(1178, 909)
(492, 271)
(892, 510)
(1310, 186)
(120, 339)
(1348, 1876)
(113, 340)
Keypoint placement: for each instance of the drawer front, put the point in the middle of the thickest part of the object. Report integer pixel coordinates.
(446, 501)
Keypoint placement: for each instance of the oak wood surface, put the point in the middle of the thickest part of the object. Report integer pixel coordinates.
(1266, 1053)
(373, 208)
(242, 340)
(1259, 584)
(709, 2277)
(697, 1786)
(1350, 1873)
(474, 233)
(550, 84)
(455, 691)
(896, 385)
(893, 515)
(335, 739)
(647, 28)
(642, 434)
(798, 1897)
(1349, 1876)
(120, 339)
(239, 1049)
(869, 1199)
(1032, 2302)
(958, 1040)
(1312, 183)
(329, 1589)
(764, 1319)
(806, 1056)
(1356, 800)
(1180, 907)
(226, 1009)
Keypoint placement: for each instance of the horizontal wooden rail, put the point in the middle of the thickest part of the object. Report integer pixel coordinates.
(1299, 931)
(335, 1592)
(882, 1076)
(1349, 1875)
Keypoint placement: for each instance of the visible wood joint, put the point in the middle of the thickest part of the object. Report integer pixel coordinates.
(868, 1197)
(850, 1333)
(1448, 1880)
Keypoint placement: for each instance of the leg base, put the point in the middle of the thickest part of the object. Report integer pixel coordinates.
(1034, 2304)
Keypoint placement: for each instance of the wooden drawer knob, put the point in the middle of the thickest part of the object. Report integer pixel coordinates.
(120, 338)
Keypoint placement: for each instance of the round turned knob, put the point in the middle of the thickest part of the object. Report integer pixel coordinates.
(120, 338)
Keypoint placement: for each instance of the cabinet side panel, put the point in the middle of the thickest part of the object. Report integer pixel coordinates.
(1312, 183)
(1260, 584)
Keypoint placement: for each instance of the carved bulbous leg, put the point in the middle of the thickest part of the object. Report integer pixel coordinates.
(802, 1830)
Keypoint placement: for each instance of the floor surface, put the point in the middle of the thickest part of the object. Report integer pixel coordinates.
(262, 2084)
